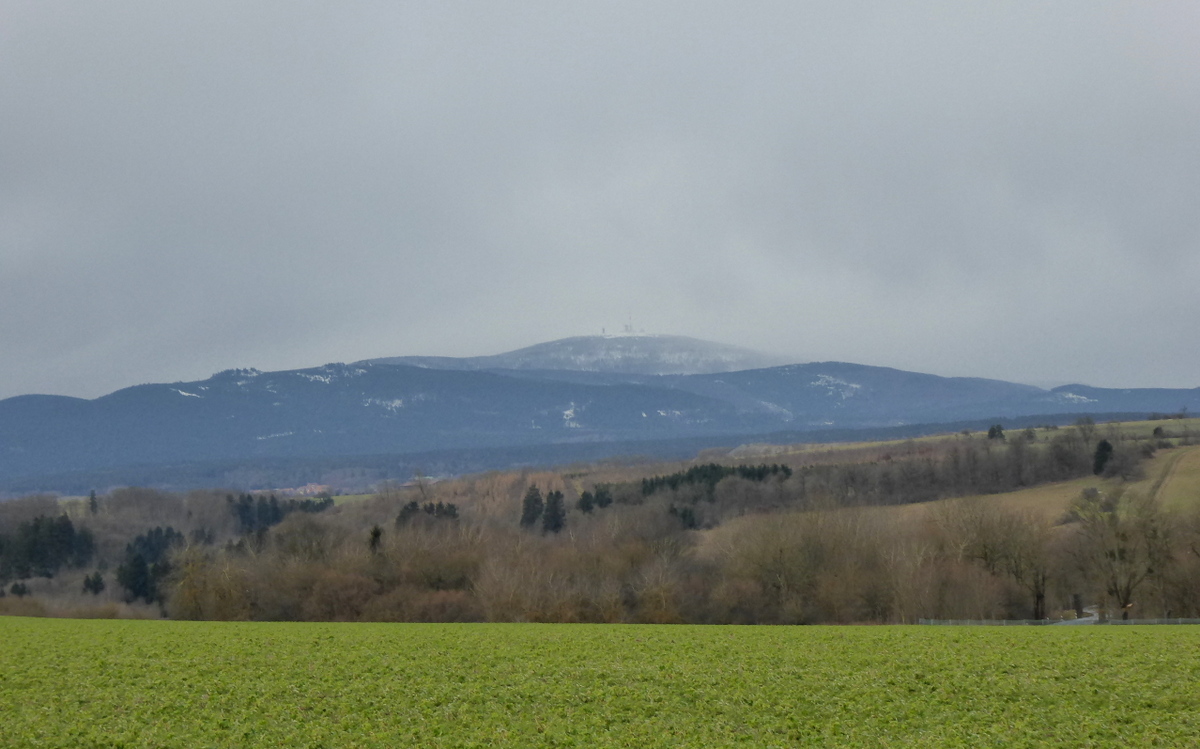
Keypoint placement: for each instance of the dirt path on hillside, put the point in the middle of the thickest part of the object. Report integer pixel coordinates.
(1168, 473)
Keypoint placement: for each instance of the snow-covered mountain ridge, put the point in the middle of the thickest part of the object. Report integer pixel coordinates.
(624, 354)
(577, 391)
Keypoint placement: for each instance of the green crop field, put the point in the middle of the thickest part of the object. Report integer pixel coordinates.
(187, 684)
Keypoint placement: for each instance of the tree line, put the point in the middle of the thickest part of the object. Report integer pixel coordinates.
(36, 544)
(834, 538)
(40, 547)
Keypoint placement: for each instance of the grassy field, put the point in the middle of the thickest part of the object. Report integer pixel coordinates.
(1173, 428)
(130, 683)
(1177, 483)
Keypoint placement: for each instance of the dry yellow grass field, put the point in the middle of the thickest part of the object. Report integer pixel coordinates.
(1178, 485)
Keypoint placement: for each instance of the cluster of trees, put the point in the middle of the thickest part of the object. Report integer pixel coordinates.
(589, 501)
(43, 545)
(257, 513)
(708, 475)
(820, 542)
(966, 559)
(708, 495)
(438, 510)
(147, 564)
(94, 583)
(136, 533)
(550, 513)
(965, 467)
(827, 537)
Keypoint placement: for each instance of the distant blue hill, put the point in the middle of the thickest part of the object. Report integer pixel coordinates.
(396, 407)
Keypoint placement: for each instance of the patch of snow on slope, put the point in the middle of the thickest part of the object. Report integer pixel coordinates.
(392, 405)
(248, 374)
(666, 360)
(777, 409)
(274, 436)
(190, 395)
(338, 369)
(835, 387)
(569, 417)
(1074, 398)
(331, 372)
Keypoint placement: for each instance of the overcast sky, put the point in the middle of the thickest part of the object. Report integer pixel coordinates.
(1008, 190)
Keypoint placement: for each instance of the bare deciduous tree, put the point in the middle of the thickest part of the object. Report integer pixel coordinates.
(1121, 541)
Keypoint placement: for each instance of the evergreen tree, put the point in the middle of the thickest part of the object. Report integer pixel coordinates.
(243, 510)
(93, 583)
(93, 505)
(603, 496)
(407, 512)
(158, 573)
(376, 539)
(1104, 451)
(686, 515)
(586, 503)
(555, 515)
(42, 545)
(83, 546)
(146, 563)
(134, 577)
(263, 516)
(154, 544)
(531, 507)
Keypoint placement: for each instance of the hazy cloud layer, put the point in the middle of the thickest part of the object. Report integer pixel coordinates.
(1001, 190)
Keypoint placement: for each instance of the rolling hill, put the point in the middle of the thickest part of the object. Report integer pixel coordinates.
(592, 391)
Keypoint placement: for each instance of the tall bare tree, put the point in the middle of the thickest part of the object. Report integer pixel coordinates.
(1122, 541)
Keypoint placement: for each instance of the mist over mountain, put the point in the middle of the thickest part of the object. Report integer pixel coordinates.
(593, 391)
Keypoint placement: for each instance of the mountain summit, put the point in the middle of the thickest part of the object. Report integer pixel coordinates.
(616, 354)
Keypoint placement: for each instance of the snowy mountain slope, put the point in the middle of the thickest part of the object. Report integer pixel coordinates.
(337, 410)
(380, 407)
(631, 354)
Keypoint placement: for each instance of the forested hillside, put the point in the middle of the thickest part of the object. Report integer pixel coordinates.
(1004, 524)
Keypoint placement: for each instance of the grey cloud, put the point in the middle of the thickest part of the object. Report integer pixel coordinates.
(1004, 191)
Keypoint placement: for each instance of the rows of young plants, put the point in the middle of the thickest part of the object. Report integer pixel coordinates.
(146, 683)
